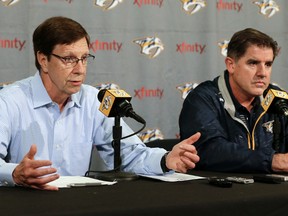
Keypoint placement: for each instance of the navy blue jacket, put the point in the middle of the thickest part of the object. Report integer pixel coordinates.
(227, 144)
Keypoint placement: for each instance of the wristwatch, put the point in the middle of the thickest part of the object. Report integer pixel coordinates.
(163, 163)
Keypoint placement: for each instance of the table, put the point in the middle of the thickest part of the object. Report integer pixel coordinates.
(150, 197)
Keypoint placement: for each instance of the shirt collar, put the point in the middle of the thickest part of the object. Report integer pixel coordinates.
(41, 98)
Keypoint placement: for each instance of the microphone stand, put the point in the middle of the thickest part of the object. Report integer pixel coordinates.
(116, 174)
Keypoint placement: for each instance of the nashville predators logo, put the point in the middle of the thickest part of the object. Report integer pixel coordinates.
(267, 7)
(223, 46)
(107, 4)
(107, 86)
(268, 126)
(150, 46)
(107, 101)
(9, 2)
(150, 135)
(186, 88)
(192, 6)
(2, 85)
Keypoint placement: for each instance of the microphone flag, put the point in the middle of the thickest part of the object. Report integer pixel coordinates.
(276, 99)
(111, 99)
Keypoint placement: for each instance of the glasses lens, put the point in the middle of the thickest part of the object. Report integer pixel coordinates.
(73, 61)
(89, 58)
(85, 60)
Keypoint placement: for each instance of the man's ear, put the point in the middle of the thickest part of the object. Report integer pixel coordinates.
(230, 64)
(43, 61)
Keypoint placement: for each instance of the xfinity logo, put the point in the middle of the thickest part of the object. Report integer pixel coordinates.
(143, 92)
(140, 3)
(192, 48)
(105, 46)
(226, 5)
(12, 44)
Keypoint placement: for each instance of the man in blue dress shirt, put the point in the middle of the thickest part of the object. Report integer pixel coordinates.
(49, 122)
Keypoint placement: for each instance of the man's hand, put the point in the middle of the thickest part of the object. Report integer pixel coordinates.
(183, 155)
(280, 163)
(35, 173)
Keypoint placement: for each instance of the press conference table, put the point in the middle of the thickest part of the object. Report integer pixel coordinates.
(150, 197)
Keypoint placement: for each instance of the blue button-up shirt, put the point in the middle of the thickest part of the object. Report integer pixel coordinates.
(29, 116)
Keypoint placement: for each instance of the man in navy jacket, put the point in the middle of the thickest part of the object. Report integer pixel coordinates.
(237, 134)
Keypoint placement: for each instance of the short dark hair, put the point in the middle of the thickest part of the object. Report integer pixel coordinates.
(243, 39)
(54, 31)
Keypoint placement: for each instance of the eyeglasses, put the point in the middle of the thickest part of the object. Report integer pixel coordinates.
(71, 61)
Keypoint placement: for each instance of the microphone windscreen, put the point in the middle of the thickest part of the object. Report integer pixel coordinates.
(101, 94)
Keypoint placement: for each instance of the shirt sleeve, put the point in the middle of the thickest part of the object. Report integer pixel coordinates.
(6, 170)
(136, 157)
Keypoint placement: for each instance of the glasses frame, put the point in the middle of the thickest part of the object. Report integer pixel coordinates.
(84, 60)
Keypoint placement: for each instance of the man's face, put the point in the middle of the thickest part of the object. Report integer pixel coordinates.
(61, 79)
(250, 75)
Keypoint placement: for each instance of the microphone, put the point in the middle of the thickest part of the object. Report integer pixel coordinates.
(117, 102)
(275, 101)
